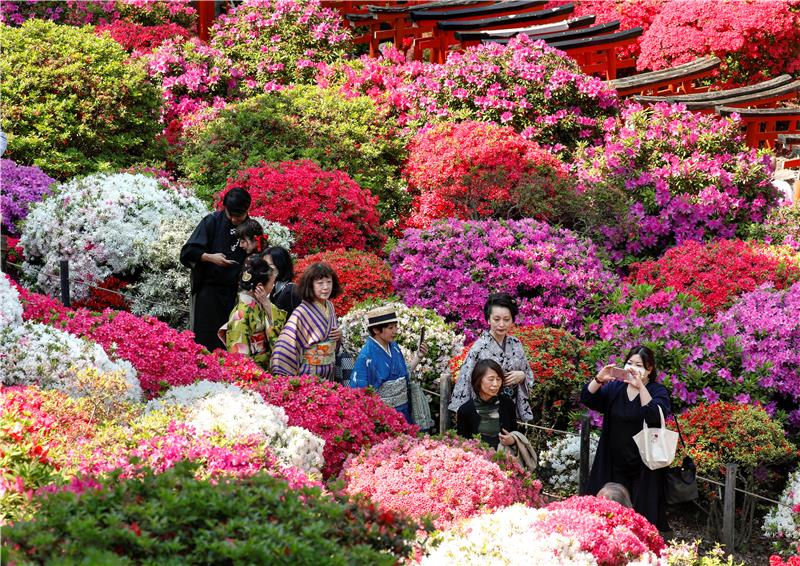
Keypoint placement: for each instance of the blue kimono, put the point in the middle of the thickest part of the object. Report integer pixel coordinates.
(386, 373)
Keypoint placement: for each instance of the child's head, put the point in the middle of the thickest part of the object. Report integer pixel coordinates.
(255, 272)
(487, 378)
(319, 282)
(249, 234)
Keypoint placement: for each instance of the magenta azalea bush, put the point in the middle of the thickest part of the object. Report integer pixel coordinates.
(446, 479)
(679, 175)
(83, 12)
(20, 186)
(527, 85)
(452, 267)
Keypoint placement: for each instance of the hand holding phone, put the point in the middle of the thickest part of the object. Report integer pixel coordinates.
(421, 338)
(619, 374)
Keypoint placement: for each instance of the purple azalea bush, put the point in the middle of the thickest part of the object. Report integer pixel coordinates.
(681, 176)
(452, 267)
(20, 186)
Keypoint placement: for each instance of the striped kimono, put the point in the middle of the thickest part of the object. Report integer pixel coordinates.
(303, 347)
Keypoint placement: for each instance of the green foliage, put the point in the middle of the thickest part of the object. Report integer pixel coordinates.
(72, 102)
(305, 122)
(173, 518)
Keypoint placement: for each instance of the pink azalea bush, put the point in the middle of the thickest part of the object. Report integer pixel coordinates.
(449, 479)
(69, 12)
(526, 85)
(452, 267)
(671, 175)
(138, 39)
(754, 39)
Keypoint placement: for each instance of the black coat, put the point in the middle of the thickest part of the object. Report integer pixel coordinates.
(468, 420)
(648, 497)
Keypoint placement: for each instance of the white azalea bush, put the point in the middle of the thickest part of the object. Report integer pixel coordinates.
(10, 307)
(37, 354)
(560, 463)
(103, 224)
(506, 537)
(235, 413)
(442, 339)
(783, 521)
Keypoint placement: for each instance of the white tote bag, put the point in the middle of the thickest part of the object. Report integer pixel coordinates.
(656, 445)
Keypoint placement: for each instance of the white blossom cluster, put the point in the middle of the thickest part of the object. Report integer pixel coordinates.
(277, 234)
(235, 413)
(507, 536)
(783, 520)
(103, 224)
(10, 307)
(560, 463)
(37, 354)
(442, 339)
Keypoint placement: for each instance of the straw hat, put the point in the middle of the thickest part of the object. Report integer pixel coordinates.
(381, 315)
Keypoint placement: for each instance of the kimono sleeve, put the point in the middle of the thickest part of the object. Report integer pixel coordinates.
(462, 392)
(237, 338)
(363, 374)
(198, 243)
(288, 349)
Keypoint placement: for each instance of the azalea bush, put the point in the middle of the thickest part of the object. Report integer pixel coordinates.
(453, 266)
(717, 273)
(559, 464)
(157, 12)
(70, 12)
(363, 276)
(280, 42)
(10, 305)
(324, 209)
(449, 479)
(442, 339)
(666, 175)
(21, 186)
(755, 40)
(529, 86)
(782, 226)
(782, 522)
(304, 122)
(138, 39)
(479, 169)
(75, 104)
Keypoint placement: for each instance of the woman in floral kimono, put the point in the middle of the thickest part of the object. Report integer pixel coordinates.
(254, 323)
(495, 344)
(309, 341)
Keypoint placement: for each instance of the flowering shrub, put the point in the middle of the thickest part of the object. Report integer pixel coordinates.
(682, 176)
(782, 226)
(776, 560)
(77, 104)
(783, 521)
(324, 209)
(448, 478)
(529, 86)
(754, 39)
(560, 463)
(70, 12)
(716, 273)
(452, 267)
(304, 122)
(346, 419)
(138, 39)
(103, 224)
(280, 42)
(441, 338)
(238, 414)
(363, 276)
(21, 186)
(107, 295)
(10, 306)
(157, 12)
(478, 169)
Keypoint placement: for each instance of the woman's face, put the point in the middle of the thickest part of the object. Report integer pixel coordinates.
(637, 365)
(490, 384)
(271, 283)
(500, 321)
(268, 259)
(388, 333)
(323, 288)
(248, 245)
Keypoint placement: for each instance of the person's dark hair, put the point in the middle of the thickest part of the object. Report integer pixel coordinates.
(616, 492)
(373, 330)
(237, 201)
(500, 300)
(648, 359)
(480, 370)
(249, 229)
(282, 262)
(315, 271)
(254, 271)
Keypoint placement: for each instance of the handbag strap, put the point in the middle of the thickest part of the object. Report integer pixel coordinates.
(675, 416)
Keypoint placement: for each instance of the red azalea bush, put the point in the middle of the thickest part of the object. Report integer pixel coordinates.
(139, 39)
(324, 209)
(776, 560)
(347, 419)
(363, 276)
(478, 169)
(106, 296)
(754, 39)
(717, 272)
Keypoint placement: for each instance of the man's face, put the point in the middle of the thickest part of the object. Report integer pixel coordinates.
(236, 219)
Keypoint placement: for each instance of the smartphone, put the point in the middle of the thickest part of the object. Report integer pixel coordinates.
(421, 338)
(619, 374)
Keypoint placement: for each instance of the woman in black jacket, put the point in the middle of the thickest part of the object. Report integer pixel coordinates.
(625, 404)
(491, 414)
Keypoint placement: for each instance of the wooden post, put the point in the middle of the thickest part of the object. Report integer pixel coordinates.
(583, 469)
(444, 398)
(206, 11)
(63, 266)
(729, 507)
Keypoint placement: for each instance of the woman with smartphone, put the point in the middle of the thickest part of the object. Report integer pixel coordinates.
(628, 396)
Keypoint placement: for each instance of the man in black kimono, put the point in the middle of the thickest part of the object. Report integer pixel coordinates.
(214, 255)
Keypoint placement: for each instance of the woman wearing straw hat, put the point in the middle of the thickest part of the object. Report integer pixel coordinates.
(380, 363)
